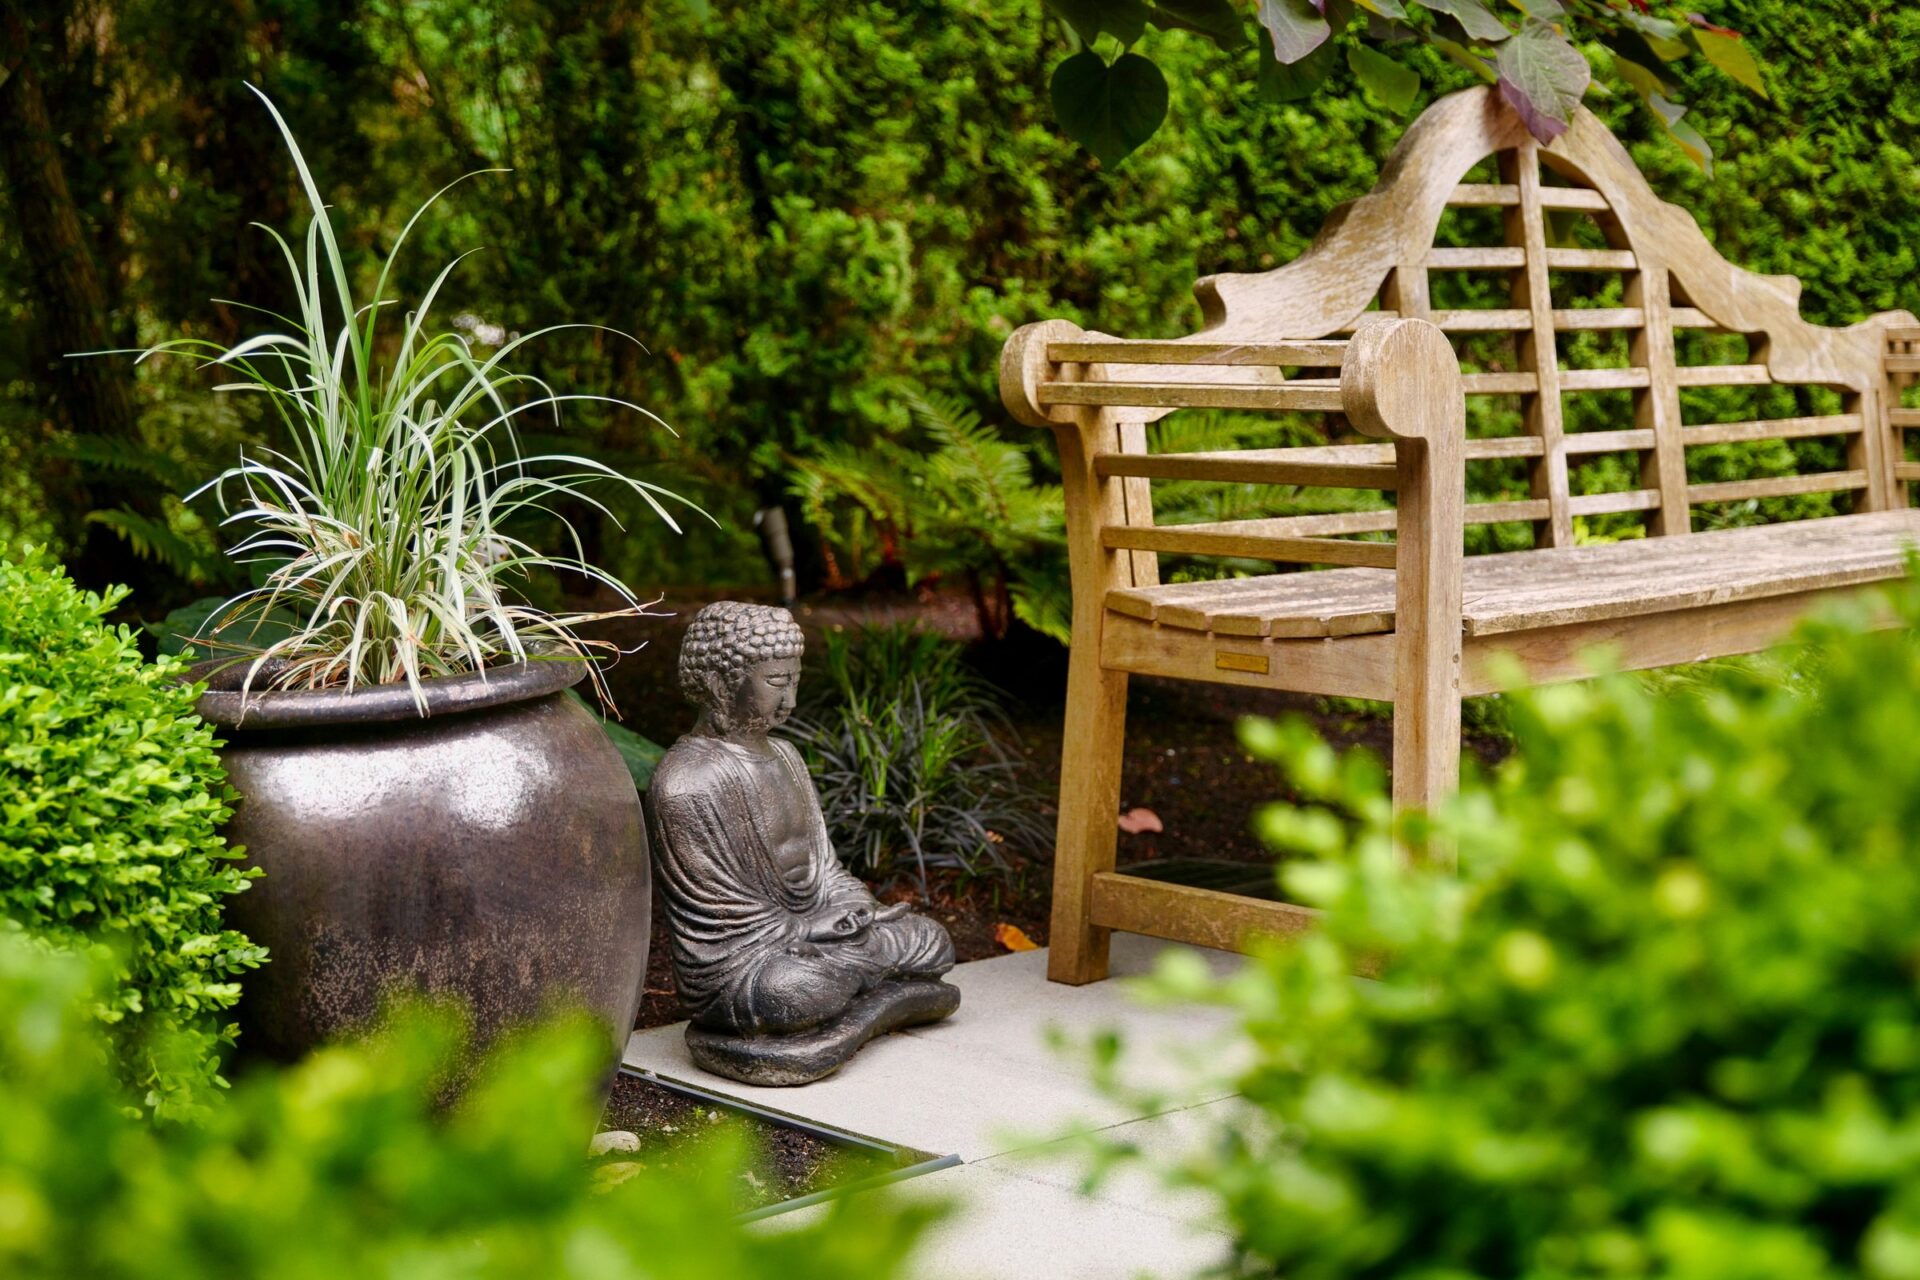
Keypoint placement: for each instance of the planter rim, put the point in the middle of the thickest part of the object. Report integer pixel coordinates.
(225, 705)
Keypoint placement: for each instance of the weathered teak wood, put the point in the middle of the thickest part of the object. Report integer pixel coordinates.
(1527, 590)
(1414, 621)
(1402, 382)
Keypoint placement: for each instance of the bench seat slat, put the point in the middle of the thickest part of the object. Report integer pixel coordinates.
(1526, 590)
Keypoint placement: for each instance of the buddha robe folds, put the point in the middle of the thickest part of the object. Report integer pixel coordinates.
(741, 947)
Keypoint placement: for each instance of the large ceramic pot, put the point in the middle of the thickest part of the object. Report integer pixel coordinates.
(492, 850)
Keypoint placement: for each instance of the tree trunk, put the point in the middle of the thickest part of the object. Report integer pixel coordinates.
(94, 395)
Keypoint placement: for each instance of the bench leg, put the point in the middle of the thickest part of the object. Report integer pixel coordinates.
(1426, 755)
(1090, 759)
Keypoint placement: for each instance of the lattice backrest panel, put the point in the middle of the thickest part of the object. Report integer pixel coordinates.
(1591, 441)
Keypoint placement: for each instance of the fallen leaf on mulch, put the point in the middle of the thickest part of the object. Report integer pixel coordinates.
(1134, 821)
(1013, 938)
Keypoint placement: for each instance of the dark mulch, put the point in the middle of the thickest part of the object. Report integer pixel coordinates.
(1183, 761)
(787, 1163)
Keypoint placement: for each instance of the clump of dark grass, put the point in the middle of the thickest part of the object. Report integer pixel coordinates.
(917, 764)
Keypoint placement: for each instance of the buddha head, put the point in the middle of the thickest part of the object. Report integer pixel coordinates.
(740, 664)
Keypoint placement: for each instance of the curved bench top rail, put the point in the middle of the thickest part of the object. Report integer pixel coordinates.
(1266, 343)
(1329, 286)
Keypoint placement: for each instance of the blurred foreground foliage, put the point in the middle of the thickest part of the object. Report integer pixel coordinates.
(346, 1165)
(1664, 1022)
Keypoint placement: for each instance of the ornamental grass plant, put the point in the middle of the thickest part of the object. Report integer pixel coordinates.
(389, 521)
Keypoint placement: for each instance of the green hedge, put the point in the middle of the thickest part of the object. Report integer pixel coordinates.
(795, 204)
(110, 796)
(1663, 1023)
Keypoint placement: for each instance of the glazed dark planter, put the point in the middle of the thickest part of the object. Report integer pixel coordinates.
(493, 851)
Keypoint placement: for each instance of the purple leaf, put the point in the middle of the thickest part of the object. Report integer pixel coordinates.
(1543, 78)
(1296, 26)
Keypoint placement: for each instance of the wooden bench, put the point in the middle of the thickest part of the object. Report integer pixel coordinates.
(1418, 622)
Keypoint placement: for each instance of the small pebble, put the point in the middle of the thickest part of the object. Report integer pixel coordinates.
(613, 1140)
(611, 1175)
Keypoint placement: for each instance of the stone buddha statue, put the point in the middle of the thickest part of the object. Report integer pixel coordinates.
(786, 962)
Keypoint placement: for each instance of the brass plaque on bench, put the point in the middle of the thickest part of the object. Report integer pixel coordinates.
(1226, 660)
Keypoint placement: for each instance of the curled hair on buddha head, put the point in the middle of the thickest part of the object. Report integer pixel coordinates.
(725, 639)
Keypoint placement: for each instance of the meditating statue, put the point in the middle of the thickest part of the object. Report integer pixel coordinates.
(787, 964)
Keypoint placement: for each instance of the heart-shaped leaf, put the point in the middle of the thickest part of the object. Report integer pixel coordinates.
(1666, 39)
(1218, 20)
(1293, 82)
(1543, 78)
(1124, 20)
(1467, 58)
(1296, 27)
(1109, 110)
(1689, 138)
(1727, 51)
(1474, 18)
(1395, 86)
(1548, 11)
(1645, 80)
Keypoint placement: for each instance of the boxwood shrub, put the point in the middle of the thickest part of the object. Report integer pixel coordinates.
(1665, 1021)
(110, 799)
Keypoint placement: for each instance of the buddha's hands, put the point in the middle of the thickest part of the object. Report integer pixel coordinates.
(840, 924)
(844, 922)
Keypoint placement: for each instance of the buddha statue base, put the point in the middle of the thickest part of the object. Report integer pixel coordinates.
(802, 1057)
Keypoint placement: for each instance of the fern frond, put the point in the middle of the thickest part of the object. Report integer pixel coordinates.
(155, 541)
(126, 457)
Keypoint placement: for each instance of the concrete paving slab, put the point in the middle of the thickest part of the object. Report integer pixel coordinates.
(990, 1085)
(1010, 1227)
(910, 1091)
(988, 1080)
(1161, 1140)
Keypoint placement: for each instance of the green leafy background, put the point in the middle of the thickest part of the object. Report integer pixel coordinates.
(796, 205)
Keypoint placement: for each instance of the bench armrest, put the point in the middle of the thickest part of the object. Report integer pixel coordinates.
(1402, 381)
(1024, 366)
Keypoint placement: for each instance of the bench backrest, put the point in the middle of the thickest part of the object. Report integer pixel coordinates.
(1377, 256)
